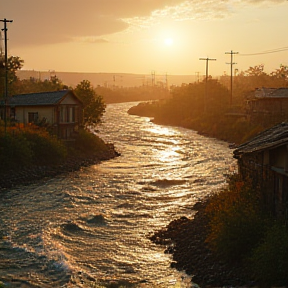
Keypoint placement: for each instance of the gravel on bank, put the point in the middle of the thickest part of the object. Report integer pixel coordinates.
(185, 239)
(28, 175)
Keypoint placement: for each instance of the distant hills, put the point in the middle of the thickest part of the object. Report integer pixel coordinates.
(109, 79)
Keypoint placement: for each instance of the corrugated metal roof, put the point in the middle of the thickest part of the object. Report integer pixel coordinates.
(268, 139)
(36, 99)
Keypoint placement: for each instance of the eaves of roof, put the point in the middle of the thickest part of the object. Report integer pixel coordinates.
(38, 99)
(268, 139)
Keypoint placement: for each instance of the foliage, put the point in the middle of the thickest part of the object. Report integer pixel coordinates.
(15, 150)
(88, 142)
(47, 149)
(281, 73)
(193, 101)
(33, 85)
(236, 220)
(94, 106)
(240, 230)
(206, 108)
(145, 109)
(129, 94)
(14, 63)
(22, 147)
(269, 261)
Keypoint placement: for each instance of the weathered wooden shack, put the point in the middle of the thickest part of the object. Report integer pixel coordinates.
(264, 159)
(268, 106)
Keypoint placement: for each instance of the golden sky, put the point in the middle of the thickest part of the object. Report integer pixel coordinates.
(140, 36)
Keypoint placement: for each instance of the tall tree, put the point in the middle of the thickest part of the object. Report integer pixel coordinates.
(281, 73)
(257, 70)
(15, 63)
(94, 106)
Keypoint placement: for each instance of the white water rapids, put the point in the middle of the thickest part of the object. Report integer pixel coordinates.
(92, 225)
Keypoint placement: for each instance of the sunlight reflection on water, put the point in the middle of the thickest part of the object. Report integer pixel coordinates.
(94, 224)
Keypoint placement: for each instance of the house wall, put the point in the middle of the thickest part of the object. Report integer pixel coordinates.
(268, 171)
(278, 157)
(267, 111)
(69, 99)
(21, 113)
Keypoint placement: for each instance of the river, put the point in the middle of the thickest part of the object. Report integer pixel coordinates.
(92, 225)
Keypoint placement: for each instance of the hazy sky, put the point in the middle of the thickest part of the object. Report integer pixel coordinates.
(140, 36)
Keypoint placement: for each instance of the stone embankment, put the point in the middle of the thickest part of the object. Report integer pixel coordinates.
(28, 175)
(185, 239)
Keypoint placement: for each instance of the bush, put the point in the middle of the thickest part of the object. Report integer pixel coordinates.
(15, 151)
(269, 261)
(47, 149)
(30, 145)
(236, 221)
(88, 142)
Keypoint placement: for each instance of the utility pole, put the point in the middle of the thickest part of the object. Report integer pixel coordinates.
(231, 80)
(6, 69)
(206, 79)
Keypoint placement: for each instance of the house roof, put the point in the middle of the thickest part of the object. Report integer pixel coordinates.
(268, 139)
(265, 93)
(37, 99)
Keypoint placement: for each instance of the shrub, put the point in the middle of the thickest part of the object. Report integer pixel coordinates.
(47, 149)
(88, 142)
(236, 221)
(15, 151)
(269, 261)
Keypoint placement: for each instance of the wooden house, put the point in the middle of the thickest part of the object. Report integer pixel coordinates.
(264, 159)
(268, 105)
(62, 110)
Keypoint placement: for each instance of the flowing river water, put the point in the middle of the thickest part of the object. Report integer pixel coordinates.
(92, 225)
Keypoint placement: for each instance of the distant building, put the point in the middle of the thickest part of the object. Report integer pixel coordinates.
(268, 106)
(62, 110)
(264, 159)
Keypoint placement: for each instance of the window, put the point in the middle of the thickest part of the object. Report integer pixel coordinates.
(32, 117)
(72, 113)
(62, 114)
(67, 114)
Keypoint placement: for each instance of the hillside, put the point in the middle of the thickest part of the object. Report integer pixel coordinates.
(107, 79)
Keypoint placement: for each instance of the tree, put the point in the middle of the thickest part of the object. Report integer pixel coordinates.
(14, 63)
(281, 73)
(94, 106)
(34, 85)
(257, 70)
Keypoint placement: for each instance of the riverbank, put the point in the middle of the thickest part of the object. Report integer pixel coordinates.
(220, 126)
(31, 174)
(185, 239)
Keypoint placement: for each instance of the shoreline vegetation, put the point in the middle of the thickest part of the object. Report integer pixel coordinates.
(32, 154)
(219, 126)
(231, 240)
(185, 240)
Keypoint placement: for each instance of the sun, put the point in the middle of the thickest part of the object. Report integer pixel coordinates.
(168, 41)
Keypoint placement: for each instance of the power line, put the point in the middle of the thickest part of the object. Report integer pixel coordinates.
(276, 50)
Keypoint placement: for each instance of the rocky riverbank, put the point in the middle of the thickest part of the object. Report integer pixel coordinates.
(28, 175)
(185, 239)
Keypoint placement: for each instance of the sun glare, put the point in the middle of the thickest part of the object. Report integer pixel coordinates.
(168, 41)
